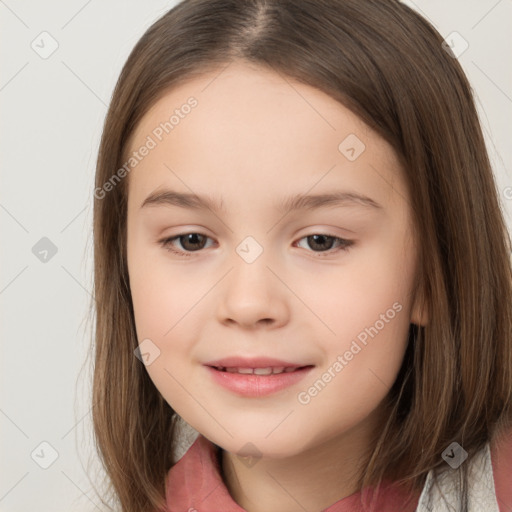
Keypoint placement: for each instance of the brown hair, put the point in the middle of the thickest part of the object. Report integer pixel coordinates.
(387, 64)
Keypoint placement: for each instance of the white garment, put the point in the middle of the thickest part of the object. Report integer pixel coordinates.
(185, 437)
(443, 497)
(446, 495)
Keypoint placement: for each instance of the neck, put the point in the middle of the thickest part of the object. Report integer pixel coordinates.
(313, 479)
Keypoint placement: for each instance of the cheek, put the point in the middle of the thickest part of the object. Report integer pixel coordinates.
(370, 320)
(165, 314)
(169, 303)
(361, 364)
(152, 301)
(367, 348)
(374, 295)
(161, 295)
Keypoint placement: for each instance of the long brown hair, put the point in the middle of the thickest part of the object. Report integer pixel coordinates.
(388, 65)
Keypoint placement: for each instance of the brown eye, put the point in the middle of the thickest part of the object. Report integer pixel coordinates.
(320, 241)
(323, 242)
(189, 242)
(195, 242)
(192, 241)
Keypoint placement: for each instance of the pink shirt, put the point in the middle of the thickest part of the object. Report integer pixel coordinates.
(194, 484)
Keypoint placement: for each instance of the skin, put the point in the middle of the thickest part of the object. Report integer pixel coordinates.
(254, 139)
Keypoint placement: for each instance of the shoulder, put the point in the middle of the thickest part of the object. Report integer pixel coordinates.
(501, 457)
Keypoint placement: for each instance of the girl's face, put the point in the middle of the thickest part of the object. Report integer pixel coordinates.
(322, 282)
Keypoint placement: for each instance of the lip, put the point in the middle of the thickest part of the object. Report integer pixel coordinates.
(252, 385)
(253, 362)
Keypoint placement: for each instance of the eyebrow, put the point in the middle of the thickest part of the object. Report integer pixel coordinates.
(292, 203)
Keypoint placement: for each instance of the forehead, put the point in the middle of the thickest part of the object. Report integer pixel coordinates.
(242, 95)
(254, 130)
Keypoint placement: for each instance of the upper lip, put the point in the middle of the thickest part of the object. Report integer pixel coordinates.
(253, 362)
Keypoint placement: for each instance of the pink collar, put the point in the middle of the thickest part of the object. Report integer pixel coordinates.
(194, 484)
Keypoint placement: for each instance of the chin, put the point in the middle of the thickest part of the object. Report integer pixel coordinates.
(257, 443)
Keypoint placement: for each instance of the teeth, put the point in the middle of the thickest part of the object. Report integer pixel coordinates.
(262, 371)
(241, 370)
(258, 371)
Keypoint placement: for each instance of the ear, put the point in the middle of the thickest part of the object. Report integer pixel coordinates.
(420, 311)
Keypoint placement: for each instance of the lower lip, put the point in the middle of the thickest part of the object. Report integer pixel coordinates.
(251, 385)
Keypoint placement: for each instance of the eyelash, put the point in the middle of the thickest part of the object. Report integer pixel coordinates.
(344, 244)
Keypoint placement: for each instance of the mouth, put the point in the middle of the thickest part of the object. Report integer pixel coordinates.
(269, 370)
(257, 382)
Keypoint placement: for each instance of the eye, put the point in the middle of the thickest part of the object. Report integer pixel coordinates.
(189, 241)
(194, 242)
(326, 242)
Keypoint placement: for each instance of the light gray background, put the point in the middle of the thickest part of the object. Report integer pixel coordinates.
(52, 115)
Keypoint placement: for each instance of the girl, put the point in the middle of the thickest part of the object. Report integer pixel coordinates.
(300, 257)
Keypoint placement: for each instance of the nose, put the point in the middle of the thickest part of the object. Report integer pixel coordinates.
(253, 296)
